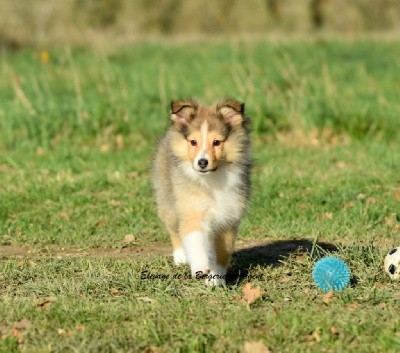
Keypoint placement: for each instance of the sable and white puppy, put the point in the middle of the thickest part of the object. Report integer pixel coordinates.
(201, 178)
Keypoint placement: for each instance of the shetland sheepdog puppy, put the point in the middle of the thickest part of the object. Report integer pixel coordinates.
(201, 178)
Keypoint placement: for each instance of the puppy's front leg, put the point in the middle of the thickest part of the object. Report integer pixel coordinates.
(196, 245)
(224, 244)
(196, 248)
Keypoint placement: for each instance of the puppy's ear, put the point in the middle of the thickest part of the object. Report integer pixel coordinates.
(183, 111)
(232, 111)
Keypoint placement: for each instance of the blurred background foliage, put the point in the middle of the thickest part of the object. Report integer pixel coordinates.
(77, 22)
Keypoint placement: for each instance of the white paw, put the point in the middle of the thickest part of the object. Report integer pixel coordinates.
(214, 281)
(179, 257)
(195, 245)
(217, 276)
(199, 274)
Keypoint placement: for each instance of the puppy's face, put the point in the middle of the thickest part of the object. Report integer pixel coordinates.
(204, 134)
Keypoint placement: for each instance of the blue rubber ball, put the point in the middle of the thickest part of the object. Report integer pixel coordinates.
(331, 273)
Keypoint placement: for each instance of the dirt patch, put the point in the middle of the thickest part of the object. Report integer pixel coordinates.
(267, 251)
(15, 251)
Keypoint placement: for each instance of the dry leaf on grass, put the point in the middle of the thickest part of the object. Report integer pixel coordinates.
(22, 325)
(147, 300)
(134, 175)
(250, 295)
(326, 215)
(40, 151)
(353, 306)
(328, 297)
(361, 197)
(334, 331)
(17, 329)
(314, 336)
(65, 331)
(391, 219)
(64, 215)
(317, 334)
(348, 205)
(340, 164)
(104, 148)
(129, 238)
(119, 142)
(42, 303)
(371, 200)
(115, 203)
(255, 347)
(115, 292)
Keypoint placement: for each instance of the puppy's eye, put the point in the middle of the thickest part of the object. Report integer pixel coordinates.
(193, 142)
(216, 142)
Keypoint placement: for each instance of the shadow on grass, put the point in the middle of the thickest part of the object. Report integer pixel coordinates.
(271, 254)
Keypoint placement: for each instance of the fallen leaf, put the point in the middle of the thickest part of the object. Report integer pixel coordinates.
(334, 331)
(147, 300)
(80, 328)
(255, 347)
(391, 219)
(23, 324)
(64, 215)
(17, 329)
(301, 206)
(15, 332)
(115, 203)
(317, 334)
(134, 175)
(382, 306)
(115, 292)
(326, 215)
(381, 285)
(371, 200)
(129, 238)
(348, 205)
(65, 331)
(43, 303)
(353, 306)
(250, 295)
(119, 141)
(104, 148)
(328, 297)
(340, 164)
(40, 151)
(101, 223)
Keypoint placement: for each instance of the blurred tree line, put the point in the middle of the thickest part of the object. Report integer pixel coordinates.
(27, 22)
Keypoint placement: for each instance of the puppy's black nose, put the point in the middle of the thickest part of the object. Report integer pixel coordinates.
(202, 163)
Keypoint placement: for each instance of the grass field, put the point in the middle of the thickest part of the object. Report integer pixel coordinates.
(85, 264)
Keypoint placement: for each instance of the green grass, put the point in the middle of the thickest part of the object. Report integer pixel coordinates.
(76, 139)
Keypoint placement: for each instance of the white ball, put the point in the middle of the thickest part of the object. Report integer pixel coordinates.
(392, 263)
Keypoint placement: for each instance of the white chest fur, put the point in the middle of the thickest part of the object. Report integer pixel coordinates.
(227, 205)
(224, 203)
